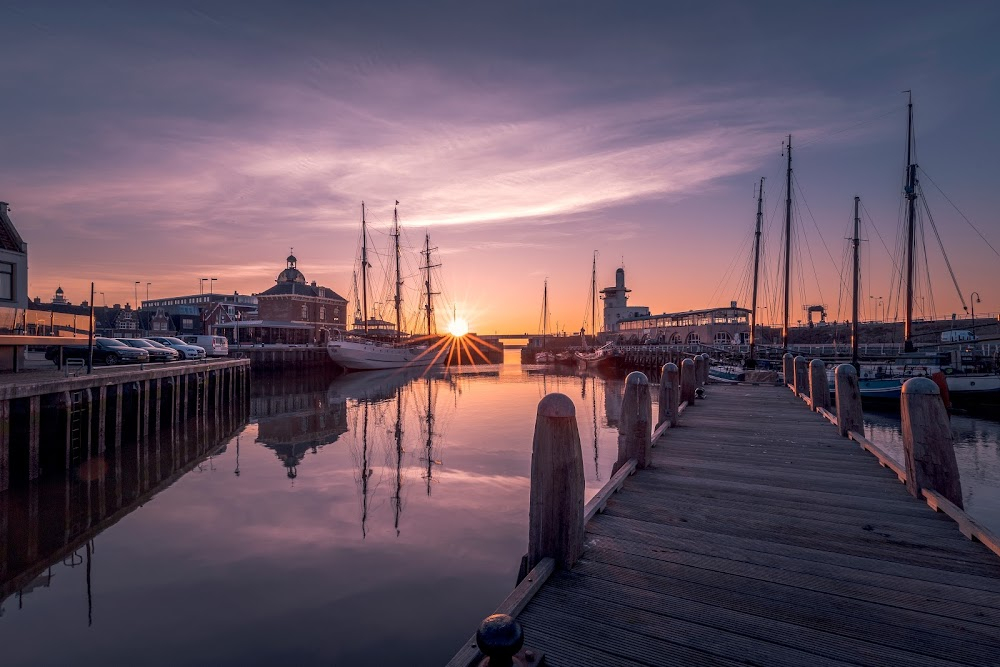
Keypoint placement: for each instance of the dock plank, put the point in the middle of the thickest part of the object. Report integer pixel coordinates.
(759, 536)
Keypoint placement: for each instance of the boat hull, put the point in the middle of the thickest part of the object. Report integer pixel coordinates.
(374, 356)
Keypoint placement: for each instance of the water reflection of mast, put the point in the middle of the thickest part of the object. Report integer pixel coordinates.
(429, 444)
(365, 472)
(398, 498)
(593, 412)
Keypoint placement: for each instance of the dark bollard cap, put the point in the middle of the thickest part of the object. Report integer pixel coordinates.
(500, 636)
(921, 385)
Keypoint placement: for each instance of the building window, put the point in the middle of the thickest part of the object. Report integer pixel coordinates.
(305, 311)
(693, 338)
(6, 281)
(322, 313)
(336, 311)
(187, 323)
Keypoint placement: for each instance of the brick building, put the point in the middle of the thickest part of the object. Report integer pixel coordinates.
(292, 312)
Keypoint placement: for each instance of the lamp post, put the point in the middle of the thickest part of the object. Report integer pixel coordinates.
(104, 300)
(236, 327)
(210, 288)
(881, 305)
(974, 302)
(147, 290)
(135, 300)
(201, 285)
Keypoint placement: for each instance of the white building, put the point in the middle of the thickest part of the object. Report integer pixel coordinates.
(616, 306)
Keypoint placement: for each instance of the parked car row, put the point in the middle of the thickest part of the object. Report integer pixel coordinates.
(112, 351)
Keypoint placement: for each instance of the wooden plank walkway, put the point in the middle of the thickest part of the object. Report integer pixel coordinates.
(761, 537)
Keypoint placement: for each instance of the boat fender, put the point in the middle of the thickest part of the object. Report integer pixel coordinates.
(699, 392)
(942, 383)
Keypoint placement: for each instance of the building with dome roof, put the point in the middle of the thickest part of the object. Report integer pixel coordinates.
(295, 311)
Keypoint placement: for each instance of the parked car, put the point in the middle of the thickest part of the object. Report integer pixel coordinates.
(156, 352)
(188, 351)
(215, 346)
(107, 351)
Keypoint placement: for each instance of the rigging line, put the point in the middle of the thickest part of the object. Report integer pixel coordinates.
(829, 254)
(947, 261)
(964, 217)
(812, 262)
(927, 267)
(848, 128)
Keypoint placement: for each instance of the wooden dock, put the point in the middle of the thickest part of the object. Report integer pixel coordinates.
(759, 536)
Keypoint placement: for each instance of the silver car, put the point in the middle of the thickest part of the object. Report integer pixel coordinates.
(186, 351)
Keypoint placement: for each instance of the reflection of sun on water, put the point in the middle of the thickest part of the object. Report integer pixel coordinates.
(458, 327)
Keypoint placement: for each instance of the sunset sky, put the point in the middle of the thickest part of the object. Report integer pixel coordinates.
(167, 143)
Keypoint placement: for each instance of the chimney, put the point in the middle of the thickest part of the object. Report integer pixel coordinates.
(117, 306)
(732, 304)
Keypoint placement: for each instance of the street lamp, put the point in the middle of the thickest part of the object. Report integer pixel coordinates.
(104, 300)
(147, 290)
(201, 285)
(135, 290)
(210, 288)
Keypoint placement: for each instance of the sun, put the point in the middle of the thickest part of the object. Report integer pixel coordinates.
(458, 327)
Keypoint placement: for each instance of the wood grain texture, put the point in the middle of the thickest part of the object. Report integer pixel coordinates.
(759, 536)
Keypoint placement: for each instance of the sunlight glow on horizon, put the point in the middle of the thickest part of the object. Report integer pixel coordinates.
(458, 327)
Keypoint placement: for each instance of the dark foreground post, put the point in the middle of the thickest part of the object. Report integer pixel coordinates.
(500, 638)
(688, 382)
(801, 376)
(819, 385)
(555, 515)
(634, 426)
(848, 400)
(788, 369)
(670, 391)
(701, 369)
(927, 444)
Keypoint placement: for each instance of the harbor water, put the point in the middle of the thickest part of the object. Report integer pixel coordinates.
(367, 520)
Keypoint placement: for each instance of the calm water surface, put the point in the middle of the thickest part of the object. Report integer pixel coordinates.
(370, 520)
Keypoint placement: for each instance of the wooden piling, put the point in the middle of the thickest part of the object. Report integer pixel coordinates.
(819, 385)
(635, 425)
(670, 391)
(34, 435)
(848, 400)
(788, 369)
(927, 443)
(701, 369)
(801, 376)
(102, 418)
(688, 382)
(555, 524)
(4, 448)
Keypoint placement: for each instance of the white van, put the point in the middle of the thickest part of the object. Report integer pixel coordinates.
(215, 346)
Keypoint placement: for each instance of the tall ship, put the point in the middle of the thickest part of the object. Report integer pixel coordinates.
(373, 344)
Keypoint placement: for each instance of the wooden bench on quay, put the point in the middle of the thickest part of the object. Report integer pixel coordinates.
(751, 533)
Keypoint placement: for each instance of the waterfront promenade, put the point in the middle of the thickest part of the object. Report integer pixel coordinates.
(760, 536)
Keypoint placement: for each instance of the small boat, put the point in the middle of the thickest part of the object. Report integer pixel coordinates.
(597, 357)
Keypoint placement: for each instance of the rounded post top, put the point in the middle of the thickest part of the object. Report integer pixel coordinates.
(846, 370)
(556, 405)
(788, 355)
(800, 357)
(636, 377)
(688, 362)
(669, 368)
(817, 363)
(921, 385)
(499, 636)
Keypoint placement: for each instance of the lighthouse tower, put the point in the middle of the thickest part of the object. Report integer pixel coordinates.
(616, 306)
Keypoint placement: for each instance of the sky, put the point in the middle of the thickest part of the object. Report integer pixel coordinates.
(166, 142)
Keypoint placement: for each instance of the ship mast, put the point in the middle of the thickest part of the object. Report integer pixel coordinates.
(398, 499)
(428, 308)
(399, 280)
(756, 266)
(911, 196)
(856, 242)
(364, 268)
(545, 311)
(593, 300)
(788, 246)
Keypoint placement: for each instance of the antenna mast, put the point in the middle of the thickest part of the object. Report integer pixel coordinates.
(593, 300)
(756, 266)
(911, 196)
(788, 245)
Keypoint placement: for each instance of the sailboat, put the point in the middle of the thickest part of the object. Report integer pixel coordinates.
(599, 355)
(545, 356)
(885, 380)
(378, 348)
